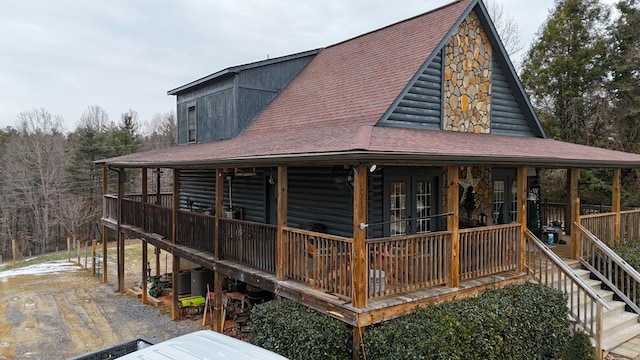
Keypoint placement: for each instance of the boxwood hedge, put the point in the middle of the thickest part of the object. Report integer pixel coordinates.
(517, 322)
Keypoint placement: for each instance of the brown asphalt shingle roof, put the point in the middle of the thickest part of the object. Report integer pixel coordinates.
(329, 112)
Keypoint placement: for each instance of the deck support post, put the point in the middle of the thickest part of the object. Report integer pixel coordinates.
(121, 237)
(175, 205)
(218, 322)
(105, 234)
(145, 197)
(281, 252)
(175, 269)
(453, 225)
(157, 250)
(358, 331)
(359, 266)
(522, 217)
(615, 204)
(145, 258)
(574, 200)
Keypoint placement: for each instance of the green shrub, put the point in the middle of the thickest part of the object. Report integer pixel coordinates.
(294, 331)
(630, 252)
(518, 322)
(579, 348)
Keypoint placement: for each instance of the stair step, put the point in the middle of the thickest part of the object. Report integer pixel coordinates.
(606, 295)
(574, 264)
(619, 321)
(620, 336)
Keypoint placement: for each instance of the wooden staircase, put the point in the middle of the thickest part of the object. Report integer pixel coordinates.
(618, 325)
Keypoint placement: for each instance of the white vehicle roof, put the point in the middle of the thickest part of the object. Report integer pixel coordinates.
(204, 344)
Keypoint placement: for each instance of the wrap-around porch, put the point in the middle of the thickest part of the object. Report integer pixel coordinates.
(360, 279)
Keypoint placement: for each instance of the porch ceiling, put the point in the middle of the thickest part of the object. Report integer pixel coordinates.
(357, 142)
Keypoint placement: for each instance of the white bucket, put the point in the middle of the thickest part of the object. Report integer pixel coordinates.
(376, 281)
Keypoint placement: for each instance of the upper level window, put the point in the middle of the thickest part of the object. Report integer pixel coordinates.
(191, 123)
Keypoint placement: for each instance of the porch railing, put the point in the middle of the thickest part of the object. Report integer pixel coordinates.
(196, 230)
(585, 304)
(489, 250)
(601, 225)
(250, 243)
(610, 268)
(399, 264)
(158, 220)
(165, 199)
(630, 225)
(321, 260)
(132, 213)
(110, 207)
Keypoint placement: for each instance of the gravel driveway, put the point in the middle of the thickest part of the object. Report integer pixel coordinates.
(57, 315)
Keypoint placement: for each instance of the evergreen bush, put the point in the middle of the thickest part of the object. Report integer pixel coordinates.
(296, 332)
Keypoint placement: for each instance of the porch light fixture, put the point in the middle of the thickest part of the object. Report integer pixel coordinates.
(372, 167)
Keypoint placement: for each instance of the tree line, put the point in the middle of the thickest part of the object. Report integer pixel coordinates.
(50, 187)
(582, 73)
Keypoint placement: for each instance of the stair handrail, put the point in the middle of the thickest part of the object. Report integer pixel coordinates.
(567, 270)
(592, 325)
(615, 258)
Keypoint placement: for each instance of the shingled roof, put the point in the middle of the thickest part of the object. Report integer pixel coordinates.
(330, 110)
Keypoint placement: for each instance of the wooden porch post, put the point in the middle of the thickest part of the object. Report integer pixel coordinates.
(615, 204)
(574, 199)
(144, 197)
(218, 321)
(175, 269)
(522, 217)
(158, 202)
(176, 203)
(453, 206)
(283, 193)
(359, 263)
(145, 258)
(121, 239)
(105, 189)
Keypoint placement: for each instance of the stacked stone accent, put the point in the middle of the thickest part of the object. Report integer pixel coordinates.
(467, 79)
(482, 190)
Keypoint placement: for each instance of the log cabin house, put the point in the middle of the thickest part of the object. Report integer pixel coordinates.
(335, 177)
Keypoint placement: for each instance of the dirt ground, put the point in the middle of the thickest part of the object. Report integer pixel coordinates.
(63, 314)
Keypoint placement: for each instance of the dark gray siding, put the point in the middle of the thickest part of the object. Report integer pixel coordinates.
(249, 194)
(421, 107)
(197, 189)
(214, 117)
(314, 197)
(507, 117)
(227, 106)
(375, 210)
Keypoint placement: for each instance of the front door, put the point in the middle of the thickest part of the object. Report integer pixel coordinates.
(410, 202)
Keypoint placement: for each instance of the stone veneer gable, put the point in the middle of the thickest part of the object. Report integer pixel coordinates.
(467, 78)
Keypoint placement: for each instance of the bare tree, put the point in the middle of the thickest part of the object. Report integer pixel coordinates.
(33, 169)
(96, 118)
(161, 131)
(74, 212)
(506, 26)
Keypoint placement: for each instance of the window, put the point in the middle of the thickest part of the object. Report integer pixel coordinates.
(498, 201)
(191, 123)
(504, 201)
(410, 203)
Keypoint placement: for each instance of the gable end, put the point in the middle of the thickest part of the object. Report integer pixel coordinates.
(421, 106)
(507, 118)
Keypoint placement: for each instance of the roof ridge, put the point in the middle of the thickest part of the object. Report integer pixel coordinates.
(399, 22)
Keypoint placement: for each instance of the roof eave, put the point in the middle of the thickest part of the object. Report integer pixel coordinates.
(359, 156)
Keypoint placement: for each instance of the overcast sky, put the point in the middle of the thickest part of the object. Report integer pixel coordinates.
(66, 55)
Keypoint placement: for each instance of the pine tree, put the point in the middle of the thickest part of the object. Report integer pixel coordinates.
(564, 69)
